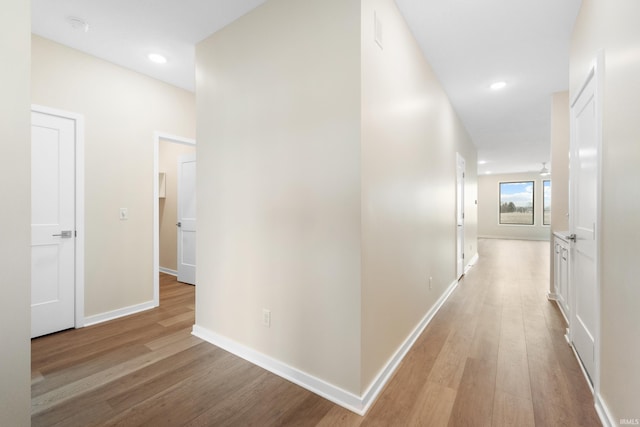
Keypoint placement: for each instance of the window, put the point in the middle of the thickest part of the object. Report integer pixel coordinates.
(546, 202)
(516, 202)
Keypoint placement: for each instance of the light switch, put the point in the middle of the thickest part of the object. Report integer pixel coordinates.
(124, 214)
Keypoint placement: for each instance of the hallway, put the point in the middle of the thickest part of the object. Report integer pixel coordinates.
(494, 355)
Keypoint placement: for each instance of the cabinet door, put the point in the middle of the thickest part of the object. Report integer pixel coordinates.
(556, 268)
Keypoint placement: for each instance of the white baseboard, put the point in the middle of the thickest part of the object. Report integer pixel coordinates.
(553, 297)
(604, 413)
(316, 385)
(358, 404)
(121, 312)
(168, 271)
(385, 374)
(471, 263)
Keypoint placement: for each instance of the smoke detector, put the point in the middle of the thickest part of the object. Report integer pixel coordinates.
(78, 23)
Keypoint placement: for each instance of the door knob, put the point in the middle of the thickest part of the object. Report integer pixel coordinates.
(572, 237)
(65, 234)
(179, 224)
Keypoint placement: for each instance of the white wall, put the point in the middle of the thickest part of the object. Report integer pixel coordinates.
(122, 109)
(489, 208)
(326, 186)
(279, 185)
(410, 135)
(15, 175)
(613, 26)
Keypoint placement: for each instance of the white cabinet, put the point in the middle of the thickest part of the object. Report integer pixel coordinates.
(562, 252)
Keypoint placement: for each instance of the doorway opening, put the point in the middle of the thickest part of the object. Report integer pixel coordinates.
(167, 150)
(460, 175)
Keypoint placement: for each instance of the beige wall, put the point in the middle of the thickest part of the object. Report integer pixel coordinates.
(410, 135)
(15, 175)
(278, 185)
(559, 169)
(168, 154)
(613, 26)
(326, 186)
(488, 208)
(122, 109)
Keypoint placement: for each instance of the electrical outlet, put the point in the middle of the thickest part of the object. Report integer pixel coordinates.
(266, 317)
(124, 214)
(430, 283)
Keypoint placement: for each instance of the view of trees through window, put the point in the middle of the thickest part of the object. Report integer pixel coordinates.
(516, 202)
(546, 202)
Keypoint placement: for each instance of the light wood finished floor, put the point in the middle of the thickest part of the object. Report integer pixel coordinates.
(493, 356)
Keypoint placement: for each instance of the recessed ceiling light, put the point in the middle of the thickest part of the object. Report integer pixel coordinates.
(498, 85)
(482, 162)
(157, 58)
(78, 23)
(488, 172)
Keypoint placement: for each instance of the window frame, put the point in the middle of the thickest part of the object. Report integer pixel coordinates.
(533, 202)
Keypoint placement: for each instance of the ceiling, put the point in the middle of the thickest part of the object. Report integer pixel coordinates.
(469, 43)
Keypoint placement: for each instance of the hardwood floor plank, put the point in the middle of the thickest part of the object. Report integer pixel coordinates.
(163, 372)
(435, 403)
(473, 405)
(398, 397)
(486, 340)
(187, 317)
(308, 413)
(449, 367)
(340, 417)
(179, 403)
(63, 376)
(73, 389)
(230, 408)
(513, 367)
(494, 355)
(80, 417)
(168, 339)
(107, 337)
(158, 383)
(269, 408)
(510, 411)
(549, 383)
(83, 341)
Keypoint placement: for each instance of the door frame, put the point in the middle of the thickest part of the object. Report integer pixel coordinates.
(157, 136)
(78, 120)
(460, 204)
(596, 73)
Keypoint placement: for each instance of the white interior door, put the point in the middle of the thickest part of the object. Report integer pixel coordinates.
(583, 219)
(187, 219)
(52, 223)
(460, 168)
